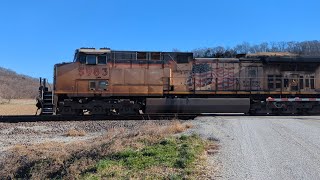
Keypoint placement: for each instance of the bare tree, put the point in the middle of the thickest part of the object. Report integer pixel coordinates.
(309, 48)
(243, 48)
(264, 47)
(255, 49)
(175, 50)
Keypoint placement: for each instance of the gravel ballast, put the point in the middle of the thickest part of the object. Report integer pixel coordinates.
(27, 133)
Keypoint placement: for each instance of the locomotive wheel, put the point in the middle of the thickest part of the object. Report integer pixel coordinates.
(66, 110)
(98, 110)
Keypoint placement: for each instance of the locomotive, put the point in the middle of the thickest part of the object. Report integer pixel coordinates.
(107, 82)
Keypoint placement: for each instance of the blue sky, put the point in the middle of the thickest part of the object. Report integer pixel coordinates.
(36, 34)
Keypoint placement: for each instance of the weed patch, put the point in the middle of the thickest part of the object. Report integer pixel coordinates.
(170, 158)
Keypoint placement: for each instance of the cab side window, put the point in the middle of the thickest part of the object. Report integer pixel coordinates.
(102, 59)
(82, 59)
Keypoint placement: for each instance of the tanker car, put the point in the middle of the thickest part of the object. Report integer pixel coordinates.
(108, 82)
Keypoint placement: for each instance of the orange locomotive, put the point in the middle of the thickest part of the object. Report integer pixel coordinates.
(102, 81)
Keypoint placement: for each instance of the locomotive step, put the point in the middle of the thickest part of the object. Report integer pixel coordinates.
(46, 113)
(47, 103)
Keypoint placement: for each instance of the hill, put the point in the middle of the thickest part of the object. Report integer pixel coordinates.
(17, 86)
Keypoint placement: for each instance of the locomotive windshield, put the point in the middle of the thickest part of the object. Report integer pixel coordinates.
(92, 59)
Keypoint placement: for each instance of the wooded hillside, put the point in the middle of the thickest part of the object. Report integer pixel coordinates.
(305, 48)
(17, 86)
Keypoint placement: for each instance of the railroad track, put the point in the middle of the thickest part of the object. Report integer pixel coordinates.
(35, 118)
(43, 118)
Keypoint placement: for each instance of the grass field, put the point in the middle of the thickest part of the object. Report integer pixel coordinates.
(18, 107)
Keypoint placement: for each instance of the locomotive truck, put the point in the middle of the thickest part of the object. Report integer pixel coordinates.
(107, 82)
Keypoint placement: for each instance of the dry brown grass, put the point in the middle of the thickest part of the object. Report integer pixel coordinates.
(188, 125)
(75, 132)
(178, 127)
(69, 160)
(18, 107)
(272, 54)
(56, 150)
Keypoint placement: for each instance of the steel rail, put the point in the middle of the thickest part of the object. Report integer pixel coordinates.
(57, 118)
(46, 118)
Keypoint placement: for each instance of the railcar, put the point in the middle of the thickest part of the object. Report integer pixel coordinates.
(108, 82)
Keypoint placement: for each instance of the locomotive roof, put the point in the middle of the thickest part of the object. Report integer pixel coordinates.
(93, 51)
(267, 57)
(108, 50)
(181, 57)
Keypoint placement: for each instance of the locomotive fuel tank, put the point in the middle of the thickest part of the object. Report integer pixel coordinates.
(197, 105)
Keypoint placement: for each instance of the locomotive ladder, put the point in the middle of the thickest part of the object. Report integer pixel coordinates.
(46, 98)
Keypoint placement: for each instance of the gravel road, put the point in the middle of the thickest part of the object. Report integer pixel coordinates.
(264, 147)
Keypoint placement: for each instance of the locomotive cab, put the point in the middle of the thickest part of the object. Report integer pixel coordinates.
(101, 81)
(90, 56)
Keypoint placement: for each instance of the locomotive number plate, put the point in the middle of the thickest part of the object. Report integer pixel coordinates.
(89, 71)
